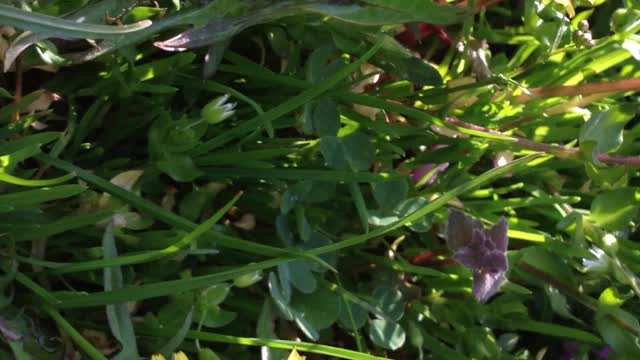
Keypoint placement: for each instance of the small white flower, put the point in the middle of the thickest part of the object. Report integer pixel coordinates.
(502, 158)
(601, 262)
(217, 110)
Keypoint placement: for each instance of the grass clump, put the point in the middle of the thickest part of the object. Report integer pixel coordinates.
(331, 179)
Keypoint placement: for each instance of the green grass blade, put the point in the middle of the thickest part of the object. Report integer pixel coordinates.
(288, 106)
(67, 223)
(298, 174)
(186, 241)
(53, 26)
(282, 344)
(10, 179)
(35, 197)
(433, 205)
(159, 289)
(168, 217)
(82, 343)
(118, 314)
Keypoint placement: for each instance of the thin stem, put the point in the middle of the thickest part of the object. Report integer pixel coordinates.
(15, 117)
(77, 338)
(555, 150)
(583, 89)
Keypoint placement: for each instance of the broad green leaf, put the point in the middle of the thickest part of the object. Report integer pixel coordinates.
(615, 208)
(386, 334)
(175, 341)
(389, 194)
(396, 59)
(605, 128)
(326, 118)
(333, 152)
(320, 308)
(559, 303)
(618, 331)
(625, 20)
(390, 301)
(278, 298)
(179, 166)
(316, 66)
(305, 326)
(409, 206)
(358, 313)
(358, 150)
(215, 317)
(301, 277)
(542, 261)
(207, 354)
(214, 295)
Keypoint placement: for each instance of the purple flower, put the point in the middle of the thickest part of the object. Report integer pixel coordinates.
(571, 351)
(7, 332)
(419, 175)
(479, 250)
(604, 353)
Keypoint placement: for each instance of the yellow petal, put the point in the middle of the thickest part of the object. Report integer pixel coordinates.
(180, 356)
(295, 356)
(568, 5)
(157, 357)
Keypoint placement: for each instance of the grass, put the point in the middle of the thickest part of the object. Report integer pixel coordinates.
(309, 211)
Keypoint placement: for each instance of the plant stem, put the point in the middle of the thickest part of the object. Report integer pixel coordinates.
(555, 150)
(583, 89)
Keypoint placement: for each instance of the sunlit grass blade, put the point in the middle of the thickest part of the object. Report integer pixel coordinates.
(53, 26)
(159, 289)
(288, 106)
(434, 205)
(165, 288)
(186, 241)
(283, 344)
(296, 174)
(170, 218)
(10, 179)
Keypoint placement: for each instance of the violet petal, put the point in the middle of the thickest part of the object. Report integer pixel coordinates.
(460, 229)
(486, 283)
(498, 234)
